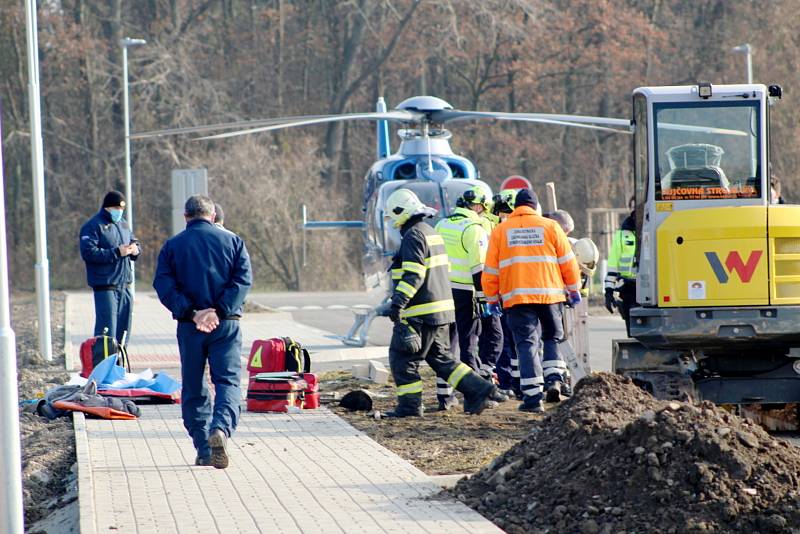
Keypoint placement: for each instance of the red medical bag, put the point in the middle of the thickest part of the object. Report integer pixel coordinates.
(311, 393)
(274, 394)
(278, 354)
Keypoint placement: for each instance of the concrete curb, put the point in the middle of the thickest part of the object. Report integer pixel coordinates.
(85, 486)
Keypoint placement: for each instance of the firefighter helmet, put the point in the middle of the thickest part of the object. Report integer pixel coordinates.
(402, 205)
(504, 201)
(477, 195)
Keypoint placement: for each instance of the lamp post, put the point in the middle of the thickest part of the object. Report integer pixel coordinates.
(748, 51)
(126, 42)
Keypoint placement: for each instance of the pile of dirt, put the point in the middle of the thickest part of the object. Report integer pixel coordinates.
(614, 460)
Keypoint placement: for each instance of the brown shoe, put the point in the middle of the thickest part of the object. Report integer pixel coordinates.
(218, 442)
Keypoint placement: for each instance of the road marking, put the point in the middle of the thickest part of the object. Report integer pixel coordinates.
(287, 308)
(311, 308)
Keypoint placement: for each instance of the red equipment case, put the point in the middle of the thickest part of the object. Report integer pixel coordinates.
(274, 394)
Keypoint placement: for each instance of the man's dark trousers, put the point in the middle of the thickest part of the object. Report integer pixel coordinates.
(468, 327)
(524, 321)
(222, 348)
(490, 343)
(112, 310)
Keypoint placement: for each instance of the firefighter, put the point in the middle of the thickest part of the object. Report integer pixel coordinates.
(490, 340)
(621, 277)
(528, 266)
(507, 365)
(465, 241)
(422, 303)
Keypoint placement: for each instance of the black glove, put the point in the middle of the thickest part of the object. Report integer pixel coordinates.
(394, 314)
(610, 302)
(405, 338)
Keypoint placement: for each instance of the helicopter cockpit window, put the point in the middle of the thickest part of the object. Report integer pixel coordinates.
(405, 171)
(707, 151)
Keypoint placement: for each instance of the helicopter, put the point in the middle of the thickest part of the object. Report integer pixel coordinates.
(424, 163)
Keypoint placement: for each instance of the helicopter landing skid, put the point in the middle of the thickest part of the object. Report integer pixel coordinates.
(358, 335)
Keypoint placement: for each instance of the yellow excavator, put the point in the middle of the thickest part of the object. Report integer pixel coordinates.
(718, 264)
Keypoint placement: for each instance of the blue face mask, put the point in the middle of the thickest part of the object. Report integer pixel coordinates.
(116, 215)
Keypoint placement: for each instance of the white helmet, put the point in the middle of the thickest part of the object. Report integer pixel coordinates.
(587, 255)
(402, 205)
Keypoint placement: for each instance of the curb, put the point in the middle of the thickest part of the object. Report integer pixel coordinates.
(83, 460)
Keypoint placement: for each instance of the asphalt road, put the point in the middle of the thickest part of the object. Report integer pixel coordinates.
(334, 312)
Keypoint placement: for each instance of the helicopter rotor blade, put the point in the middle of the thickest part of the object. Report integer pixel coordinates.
(578, 125)
(453, 115)
(253, 126)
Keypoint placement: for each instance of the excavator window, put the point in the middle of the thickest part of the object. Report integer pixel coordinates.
(707, 151)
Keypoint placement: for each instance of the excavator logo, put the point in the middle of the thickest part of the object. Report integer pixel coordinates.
(733, 262)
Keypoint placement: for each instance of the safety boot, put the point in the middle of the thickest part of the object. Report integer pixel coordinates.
(553, 392)
(447, 403)
(218, 443)
(477, 392)
(408, 405)
(566, 390)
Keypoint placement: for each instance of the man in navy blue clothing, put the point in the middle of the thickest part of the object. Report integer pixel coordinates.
(203, 276)
(108, 247)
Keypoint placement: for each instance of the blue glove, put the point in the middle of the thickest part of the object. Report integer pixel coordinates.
(574, 298)
(493, 310)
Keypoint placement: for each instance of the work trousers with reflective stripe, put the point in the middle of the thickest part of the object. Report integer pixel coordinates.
(468, 326)
(490, 342)
(222, 348)
(507, 366)
(529, 322)
(435, 351)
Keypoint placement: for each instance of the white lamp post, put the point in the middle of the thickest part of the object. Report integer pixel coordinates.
(125, 43)
(748, 51)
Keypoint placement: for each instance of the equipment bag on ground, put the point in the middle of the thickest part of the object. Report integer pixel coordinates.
(278, 354)
(275, 394)
(96, 349)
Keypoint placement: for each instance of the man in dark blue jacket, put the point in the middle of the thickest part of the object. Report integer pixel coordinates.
(203, 276)
(108, 247)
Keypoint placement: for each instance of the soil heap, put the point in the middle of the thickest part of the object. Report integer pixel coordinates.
(612, 459)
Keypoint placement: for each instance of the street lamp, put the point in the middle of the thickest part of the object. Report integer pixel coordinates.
(126, 42)
(748, 50)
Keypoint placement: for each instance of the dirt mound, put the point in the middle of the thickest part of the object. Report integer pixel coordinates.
(614, 460)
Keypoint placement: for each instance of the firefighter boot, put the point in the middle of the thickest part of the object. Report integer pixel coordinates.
(477, 392)
(408, 405)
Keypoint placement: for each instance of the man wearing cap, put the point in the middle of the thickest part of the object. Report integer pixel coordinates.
(108, 247)
(528, 265)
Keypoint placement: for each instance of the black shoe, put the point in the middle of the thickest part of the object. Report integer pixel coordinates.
(218, 442)
(202, 460)
(498, 396)
(566, 390)
(553, 393)
(475, 404)
(449, 404)
(531, 407)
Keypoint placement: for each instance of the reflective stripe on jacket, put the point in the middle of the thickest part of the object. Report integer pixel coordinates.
(465, 241)
(529, 261)
(420, 274)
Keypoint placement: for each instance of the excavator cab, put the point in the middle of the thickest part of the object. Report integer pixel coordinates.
(718, 266)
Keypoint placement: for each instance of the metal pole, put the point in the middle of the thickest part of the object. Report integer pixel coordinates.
(128, 188)
(749, 63)
(37, 167)
(11, 519)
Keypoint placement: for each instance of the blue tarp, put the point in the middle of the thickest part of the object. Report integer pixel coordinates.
(109, 375)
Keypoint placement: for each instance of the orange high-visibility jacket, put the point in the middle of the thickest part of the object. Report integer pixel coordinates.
(529, 261)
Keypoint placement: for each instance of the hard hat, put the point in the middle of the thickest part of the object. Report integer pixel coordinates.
(477, 195)
(504, 201)
(587, 255)
(402, 205)
(564, 220)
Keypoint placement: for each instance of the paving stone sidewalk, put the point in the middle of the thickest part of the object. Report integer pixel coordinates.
(306, 472)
